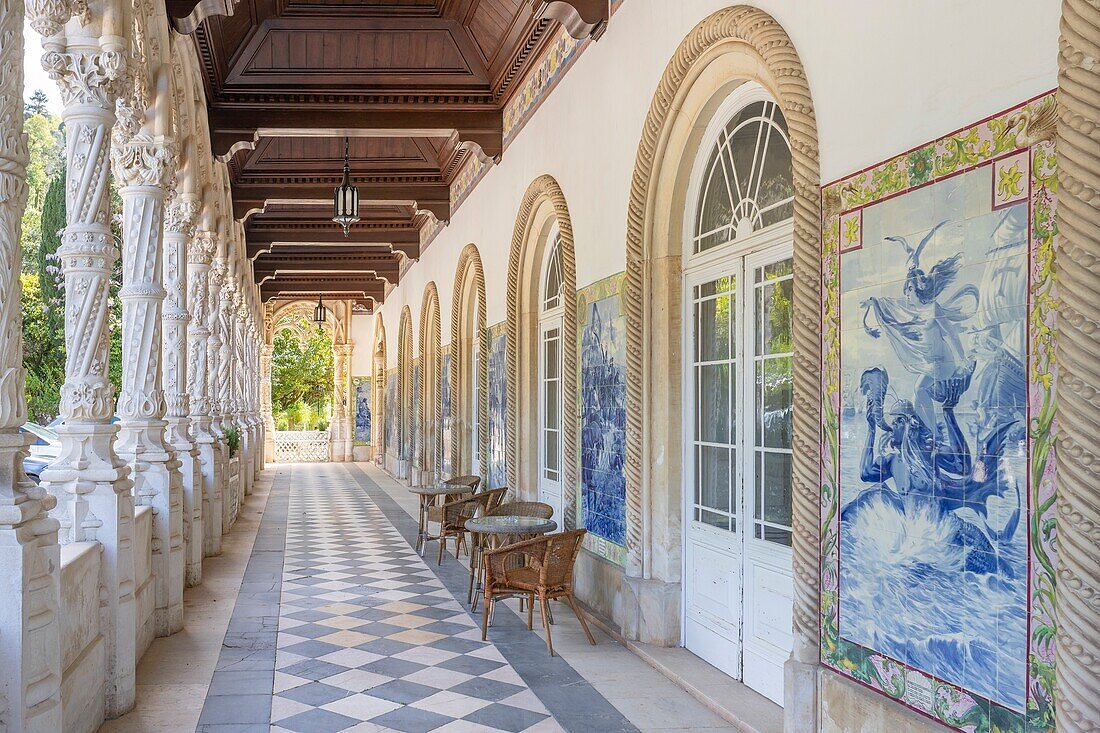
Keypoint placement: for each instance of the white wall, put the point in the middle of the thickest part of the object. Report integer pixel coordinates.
(885, 77)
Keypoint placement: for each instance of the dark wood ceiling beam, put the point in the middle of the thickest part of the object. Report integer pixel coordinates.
(349, 246)
(582, 18)
(235, 128)
(322, 234)
(249, 198)
(388, 270)
(324, 287)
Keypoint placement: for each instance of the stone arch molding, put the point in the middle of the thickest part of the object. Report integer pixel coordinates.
(405, 396)
(470, 274)
(430, 415)
(524, 278)
(748, 44)
(379, 416)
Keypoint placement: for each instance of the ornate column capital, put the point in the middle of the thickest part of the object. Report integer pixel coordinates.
(144, 160)
(87, 78)
(48, 17)
(181, 217)
(201, 248)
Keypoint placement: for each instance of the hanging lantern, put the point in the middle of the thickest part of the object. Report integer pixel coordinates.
(319, 312)
(345, 201)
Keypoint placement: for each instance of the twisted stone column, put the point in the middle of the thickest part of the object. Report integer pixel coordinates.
(200, 253)
(30, 562)
(144, 165)
(1077, 352)
(226, 308)
(179, 230)
(242, 376)
(341, 385)
(218, 273)
(89, 480)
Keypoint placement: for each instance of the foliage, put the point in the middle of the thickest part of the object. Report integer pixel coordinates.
(232, 439)
(301, 380)
(44, 139)
(43, 351)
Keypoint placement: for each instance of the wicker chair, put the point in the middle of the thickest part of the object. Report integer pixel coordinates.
(454, 514)
(509, 509)
(463, 485)
(524, 509)
(546, 573)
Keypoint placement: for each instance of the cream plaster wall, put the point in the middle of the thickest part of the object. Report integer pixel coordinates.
(885, 77)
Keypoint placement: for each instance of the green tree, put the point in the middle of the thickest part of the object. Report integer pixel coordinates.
(37, 104)
(44, 141)
(43, 353)
(301, 381)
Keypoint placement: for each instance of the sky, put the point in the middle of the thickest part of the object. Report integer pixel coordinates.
(34, 77)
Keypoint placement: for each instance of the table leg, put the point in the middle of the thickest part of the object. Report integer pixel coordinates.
(422, 530)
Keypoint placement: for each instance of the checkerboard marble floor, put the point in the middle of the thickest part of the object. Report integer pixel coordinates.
(369, 639)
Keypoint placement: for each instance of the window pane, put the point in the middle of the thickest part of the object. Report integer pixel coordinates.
(552, 408)
(712, 407)
(774, 317)
(721, 521)
(775, 403)
(713, 328)
(552, 440)
(775, 483)
(715, 205)
(712, 478)
(552, 354)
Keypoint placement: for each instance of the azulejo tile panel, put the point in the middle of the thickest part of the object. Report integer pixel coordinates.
(362, 390)
(498, 407)
(602, 413)
(937, 468)
(391, 411)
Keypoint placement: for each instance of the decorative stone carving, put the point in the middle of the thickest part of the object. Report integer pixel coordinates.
(1077, 350)
(89, 480)
(200, 253)
(430, 412)
(30, 561)
(468, 274)
(544, 188)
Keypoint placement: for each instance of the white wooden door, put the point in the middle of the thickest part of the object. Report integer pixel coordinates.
(550, 415)
(738, 579)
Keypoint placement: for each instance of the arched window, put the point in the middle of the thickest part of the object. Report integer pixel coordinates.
(738, 285)
(553, 282)
(747, 181)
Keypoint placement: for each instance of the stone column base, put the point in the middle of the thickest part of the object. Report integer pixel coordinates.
(648, 611)
(800, 696)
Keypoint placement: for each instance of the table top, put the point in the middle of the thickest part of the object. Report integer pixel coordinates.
(511, 524)
(440, 490)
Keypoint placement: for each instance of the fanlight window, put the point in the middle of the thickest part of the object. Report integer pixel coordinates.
(747, 182)
(551, 297)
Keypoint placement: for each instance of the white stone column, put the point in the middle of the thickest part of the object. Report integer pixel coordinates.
(30, 564)
(224, 384)
(342, 409)
(215, 272)
(200, 252)
(266, 408)
(179, 230)
(90, 481)
(1077, 358)
(144, 165)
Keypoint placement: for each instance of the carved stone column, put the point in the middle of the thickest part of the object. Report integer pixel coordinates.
(339, 400)
(243, 375)
(179, 230)
(224, 386)
(145, 165)
(90, 481)
(1078, 358)
(266, 409)
(200, 253)
(30, 563)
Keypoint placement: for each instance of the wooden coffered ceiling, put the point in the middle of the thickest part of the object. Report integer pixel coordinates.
(418, 86)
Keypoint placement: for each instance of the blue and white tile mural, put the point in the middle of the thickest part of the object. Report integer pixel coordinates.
(498, 413)
(391, 413)
(445, 400)
(362, 410)
(933, 434)
(603, 420)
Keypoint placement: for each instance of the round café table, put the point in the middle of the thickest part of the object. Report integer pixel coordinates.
(504, 529)
(428, 496)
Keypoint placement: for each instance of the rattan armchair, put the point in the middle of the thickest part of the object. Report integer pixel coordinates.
(546, 573)
(463, 485)
(454, 514)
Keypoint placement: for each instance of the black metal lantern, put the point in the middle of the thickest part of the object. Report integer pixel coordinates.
(345, 200)
(319, 312)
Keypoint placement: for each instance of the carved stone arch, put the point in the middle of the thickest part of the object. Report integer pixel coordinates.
(379, 416)
(286, 315)
(468, 316)
(731, 46)
(543, 205)
(429, 437)
(405, 396)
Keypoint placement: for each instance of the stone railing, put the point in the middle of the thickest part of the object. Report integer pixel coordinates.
(302, 446)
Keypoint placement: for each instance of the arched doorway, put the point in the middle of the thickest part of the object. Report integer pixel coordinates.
(469, 375)
(406, 397)
(725, 50)
(542, 350)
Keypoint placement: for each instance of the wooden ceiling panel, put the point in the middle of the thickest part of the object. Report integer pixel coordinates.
(489, 25)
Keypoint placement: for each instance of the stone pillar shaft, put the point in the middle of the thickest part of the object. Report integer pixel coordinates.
(30, 678)
(89, 480)
(179, 229)
(1077, 355)
(200, 253)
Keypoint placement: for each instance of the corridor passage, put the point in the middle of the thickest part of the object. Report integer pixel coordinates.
(340, 626)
